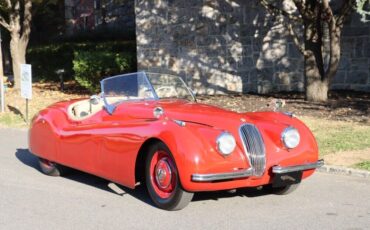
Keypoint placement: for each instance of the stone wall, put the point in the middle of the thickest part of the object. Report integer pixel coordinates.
(354, 68)
(232, 46)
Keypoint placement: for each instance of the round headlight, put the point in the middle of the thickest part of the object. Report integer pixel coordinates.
(290, 137)
(225, 143)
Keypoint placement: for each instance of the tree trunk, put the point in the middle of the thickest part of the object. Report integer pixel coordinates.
(334, 36)
(316, 88)
(19, 34)
(316, 83)
(18, 53)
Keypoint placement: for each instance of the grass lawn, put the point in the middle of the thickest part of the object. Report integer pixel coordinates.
(337, 136)
(12, 120)
(363, 165)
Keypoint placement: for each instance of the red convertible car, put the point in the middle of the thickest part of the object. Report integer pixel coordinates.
(148, 128)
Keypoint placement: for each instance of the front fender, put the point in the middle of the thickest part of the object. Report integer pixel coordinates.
(194, 148)
(271, 125)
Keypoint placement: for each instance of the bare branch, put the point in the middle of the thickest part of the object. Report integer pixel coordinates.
(327, 15)
(334, 35)
(295, 37)
(14, 16)
(26, 28)
(345, 10)
(301, 8)
(277, 11)
(27, 13)
(8, 3)
(40, 6)
(5, 24)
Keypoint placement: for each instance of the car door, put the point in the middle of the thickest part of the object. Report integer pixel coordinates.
(123, 133)
(80, 144)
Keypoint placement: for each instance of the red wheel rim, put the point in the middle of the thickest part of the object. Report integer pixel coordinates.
(163, 174)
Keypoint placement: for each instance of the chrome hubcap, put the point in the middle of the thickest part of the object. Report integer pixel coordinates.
(163, 173)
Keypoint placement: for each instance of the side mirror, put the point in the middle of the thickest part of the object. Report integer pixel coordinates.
(94, 100)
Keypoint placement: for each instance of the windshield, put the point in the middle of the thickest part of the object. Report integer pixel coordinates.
(143, 86)
(169, 86)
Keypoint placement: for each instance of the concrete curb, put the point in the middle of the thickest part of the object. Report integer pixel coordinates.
(341, 170)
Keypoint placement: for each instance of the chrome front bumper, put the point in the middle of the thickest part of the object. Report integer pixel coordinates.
(295, 168)
(222, 176)
(249, 172)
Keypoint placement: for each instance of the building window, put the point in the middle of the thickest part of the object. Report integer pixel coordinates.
(97, 4)
(85, 22)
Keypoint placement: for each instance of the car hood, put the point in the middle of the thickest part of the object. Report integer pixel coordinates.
(224, 119)
(198, 113)
(270, 124)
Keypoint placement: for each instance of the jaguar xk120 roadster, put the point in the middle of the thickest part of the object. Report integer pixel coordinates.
(149, 128)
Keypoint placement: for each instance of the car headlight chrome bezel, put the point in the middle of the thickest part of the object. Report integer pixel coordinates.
(225, 143)
(290, 137)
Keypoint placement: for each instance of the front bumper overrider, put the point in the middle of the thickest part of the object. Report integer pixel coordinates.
(249, 172)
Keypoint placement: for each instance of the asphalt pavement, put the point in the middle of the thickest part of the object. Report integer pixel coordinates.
(31, 200)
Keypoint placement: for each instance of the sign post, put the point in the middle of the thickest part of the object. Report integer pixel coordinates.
(2, 94)
(26, 84)
(1, 78)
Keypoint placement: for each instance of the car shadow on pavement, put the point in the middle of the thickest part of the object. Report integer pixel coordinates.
(140, 193)
(27, 158)
(241, 192)
(100, 183)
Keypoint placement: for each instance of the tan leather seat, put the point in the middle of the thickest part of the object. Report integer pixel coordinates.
(83, 109)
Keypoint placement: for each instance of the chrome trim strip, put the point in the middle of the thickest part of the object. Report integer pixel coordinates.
(254, 148)
(186, 85)
(222, 176)
(244, 146)
(289, 114)
(150, 85)
(279, 169)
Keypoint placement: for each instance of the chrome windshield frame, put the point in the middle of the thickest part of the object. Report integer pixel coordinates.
(186, 86)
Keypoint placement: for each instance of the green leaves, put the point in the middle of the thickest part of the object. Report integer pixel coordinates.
(363, 8)
(47, 59)
(91, 67)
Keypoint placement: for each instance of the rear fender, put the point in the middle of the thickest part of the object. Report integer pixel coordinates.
(43, 138)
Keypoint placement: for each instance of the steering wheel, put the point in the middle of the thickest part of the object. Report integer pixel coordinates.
(167, 90)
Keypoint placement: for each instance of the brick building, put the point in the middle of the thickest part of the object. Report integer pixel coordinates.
(90, 14)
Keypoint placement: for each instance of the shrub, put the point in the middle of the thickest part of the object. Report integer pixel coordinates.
(47, 59)
(91, 67)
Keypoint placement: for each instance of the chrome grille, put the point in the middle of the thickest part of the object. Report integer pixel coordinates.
(254, 148)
